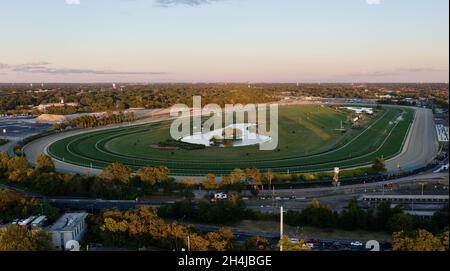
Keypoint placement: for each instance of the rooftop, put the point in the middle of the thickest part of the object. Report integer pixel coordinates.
(68, 222)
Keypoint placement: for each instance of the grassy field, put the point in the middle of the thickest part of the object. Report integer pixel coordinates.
(309, 140)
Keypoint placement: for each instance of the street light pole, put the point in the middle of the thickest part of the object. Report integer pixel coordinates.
(281, 228)
(423, 185)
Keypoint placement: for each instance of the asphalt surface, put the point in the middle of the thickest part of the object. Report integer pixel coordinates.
(421, 144)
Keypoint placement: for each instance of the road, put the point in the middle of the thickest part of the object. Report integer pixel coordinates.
(299, 199)
(421, 144)
(322, 244)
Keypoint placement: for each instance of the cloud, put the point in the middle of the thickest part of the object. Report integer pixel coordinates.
(4, 66)
(43, 67)
(372, 73)
(398, 71)
(168, 3)
(73, 2)
(413, 70)
(373, 2)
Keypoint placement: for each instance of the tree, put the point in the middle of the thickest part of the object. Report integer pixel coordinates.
(354, 217)
(237, 175)
(422, 240)
(318, 215)
(162, 174)
(190, 181)
(44, 163)
(19, 238)
(147, 175)
(255, 175)
(288, 245)
(220, 240)
(209, 183)
(152, 175)
(4, 159)
(10, 204)
(400, 222)
(379, 165)
(198, 243)
(257, 244)
(116, 172)
(384, 212)
(269, 177)
(18, 168)
(225, 181)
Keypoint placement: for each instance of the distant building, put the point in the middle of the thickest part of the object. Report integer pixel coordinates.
(387, 96)
(44, 107)
(71, 226)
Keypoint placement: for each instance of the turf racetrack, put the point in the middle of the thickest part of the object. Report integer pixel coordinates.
(309, 141)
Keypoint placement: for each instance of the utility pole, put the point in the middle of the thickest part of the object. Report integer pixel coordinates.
(281, 228)
(189, 243)
(273, 198)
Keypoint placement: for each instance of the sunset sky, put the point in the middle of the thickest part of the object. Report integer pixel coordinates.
(224, 41)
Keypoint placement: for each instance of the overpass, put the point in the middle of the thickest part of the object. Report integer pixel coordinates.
(405, 199)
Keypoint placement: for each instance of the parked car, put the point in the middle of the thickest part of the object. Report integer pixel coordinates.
(356, 244)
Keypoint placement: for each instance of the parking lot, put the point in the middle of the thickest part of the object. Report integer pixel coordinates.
(16, 129)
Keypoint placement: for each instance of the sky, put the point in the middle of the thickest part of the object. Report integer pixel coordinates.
(224, 41)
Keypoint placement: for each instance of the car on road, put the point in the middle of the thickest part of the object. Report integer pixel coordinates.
(356, 244)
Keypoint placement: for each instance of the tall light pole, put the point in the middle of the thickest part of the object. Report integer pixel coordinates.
(423, 185)
(281, 228)
(336, 177)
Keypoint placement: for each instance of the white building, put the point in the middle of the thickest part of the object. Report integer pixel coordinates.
(38, 222)
(44, 107)
(71, 226)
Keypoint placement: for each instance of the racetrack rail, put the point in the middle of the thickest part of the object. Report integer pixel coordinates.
(409, 152)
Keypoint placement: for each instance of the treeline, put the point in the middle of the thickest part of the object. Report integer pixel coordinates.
(19, 238)
(91, 121)
(238, 179)
(15, 206)
(224, 212)
(101, 97)
(421, 240)
(143, 228)
(115, 182)
(170, 143)
(95, 98)
(353, 217)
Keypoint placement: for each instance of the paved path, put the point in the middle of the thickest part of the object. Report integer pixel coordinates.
(421, 145)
